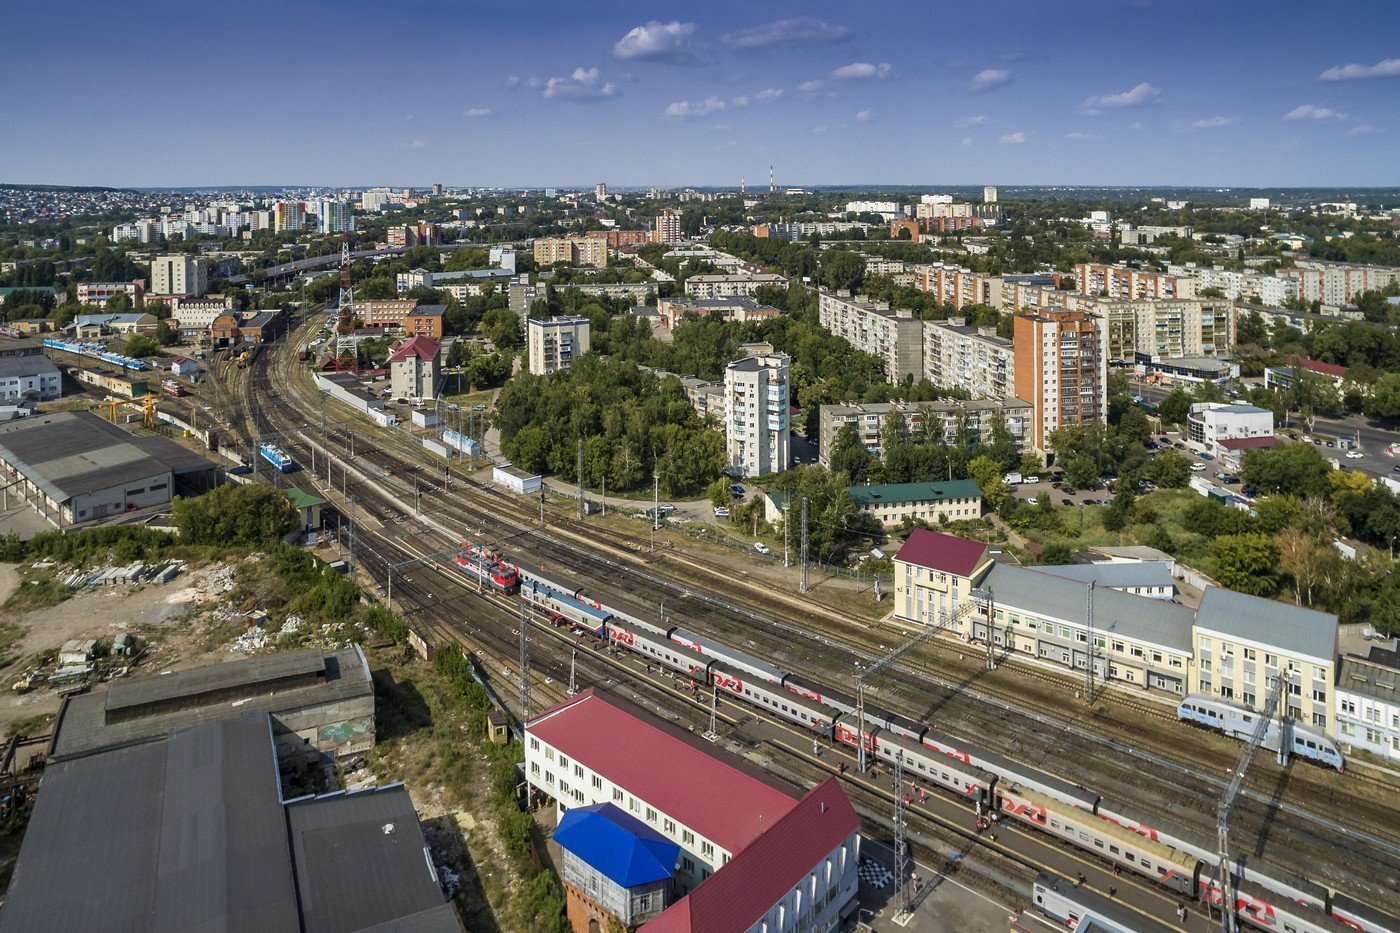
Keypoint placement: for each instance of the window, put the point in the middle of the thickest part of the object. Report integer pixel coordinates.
(670, 826)
(1319, 673)
(534, 744)
(1249, 654)
(707, 849)
(1319, 719)
(1319, 696)
(534, 767)
(563, 762)
(617, 794)
(578, 771)
(651, 815)
(688, 838)
(1118, 647)
(597, 782)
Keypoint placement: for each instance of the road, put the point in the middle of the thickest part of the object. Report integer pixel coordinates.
(331, 259)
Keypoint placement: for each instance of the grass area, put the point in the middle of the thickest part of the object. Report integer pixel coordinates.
(1162, 521)
(38, 590)
(468, 399)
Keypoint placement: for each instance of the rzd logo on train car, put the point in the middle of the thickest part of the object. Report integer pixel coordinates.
(845, 733)
(1145, 831)
(1023, 810)
(727, 682)
(622, 636)
(954, 753)
(804, 692)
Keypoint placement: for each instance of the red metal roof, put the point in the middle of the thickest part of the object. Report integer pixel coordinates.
(421, 347)
(1317, 366)
(1241, 443)
(938, 551)
(721, 797)
(739, 894)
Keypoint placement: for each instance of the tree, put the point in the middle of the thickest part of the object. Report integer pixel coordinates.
(1385, 397)
(1081, 471)
(502, 327)
(1168, 469)
(1133, 426)
(1245, 562)
(1298, 469)
(986, 472)
(235, 514)
(1175, 407)
(842, 269)
(1301, 557)
(1057, 552)
(849, 455)
(138, 346)
(718, 491)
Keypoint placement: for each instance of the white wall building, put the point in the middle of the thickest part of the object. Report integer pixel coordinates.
(1209, 423)
(1368, 703)
(556, 342)
(896, 337)
(179, 274)
(971, 358)
(756, 419)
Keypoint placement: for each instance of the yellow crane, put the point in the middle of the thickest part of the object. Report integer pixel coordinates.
(147, 404)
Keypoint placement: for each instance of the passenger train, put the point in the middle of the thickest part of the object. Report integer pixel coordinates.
(1238, 721)
(995, 786)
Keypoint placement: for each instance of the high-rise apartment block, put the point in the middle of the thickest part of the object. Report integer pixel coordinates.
(419, 234)
(556, 342)
(958, 287)
(989, 194)
(974, 359)
(335, 216)
(895, 336)
(1338, 283)
(668, 228)
(1169, 329)
(600, 191)
(1061, 369)
(1240, 284)
(1123, 282)
(178, 274)
(291, 216)
(756, 415)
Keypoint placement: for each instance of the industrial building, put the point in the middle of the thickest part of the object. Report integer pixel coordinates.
(188, 828)
(74, 467)
(751, 851)
(33, 376)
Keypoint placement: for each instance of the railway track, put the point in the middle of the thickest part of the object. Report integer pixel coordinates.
(829, 651)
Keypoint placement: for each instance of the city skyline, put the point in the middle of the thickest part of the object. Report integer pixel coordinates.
(1120, 93)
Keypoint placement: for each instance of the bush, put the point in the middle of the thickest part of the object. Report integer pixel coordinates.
(235, 514)
(1057, 552)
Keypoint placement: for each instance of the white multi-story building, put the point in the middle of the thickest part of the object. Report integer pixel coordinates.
(873, 207)
(989, 194)
(974, 359)
(1240, 285)
(729, 286)
(942, 421)
(1368, 702)
(1338, 283)
(29, 376)
(556, 342)
(957, 287)
(783, 854)
(757, 429)
(1168, 328)
(1259, 204)
(179, 274)
(1210, 423)
(896, 337)
(668, 228)
(334, 216)
(374, 201)
(415, 367)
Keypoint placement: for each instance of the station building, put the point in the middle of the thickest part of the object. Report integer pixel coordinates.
(1368, 702)
(1224, 648)
(753, 852)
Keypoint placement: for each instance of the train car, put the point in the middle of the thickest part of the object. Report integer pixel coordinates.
(1174, 870)
(172, 388)
(965, 780)
(1238, 721)
(1258, 907)
(1361, 916)
(636, 616)
(487, 568)
(557, 582)
(820, 693)
(1079, 908)
(662, 650)
(747, 663)
(795, 709)
(563, 609)
(277, 457)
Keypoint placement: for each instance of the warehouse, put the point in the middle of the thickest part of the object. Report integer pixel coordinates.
(189, 830)
(75, 468)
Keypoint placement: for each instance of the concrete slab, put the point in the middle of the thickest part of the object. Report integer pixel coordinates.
(942, 902)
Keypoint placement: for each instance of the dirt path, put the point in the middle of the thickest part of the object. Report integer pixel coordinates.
(9, 579)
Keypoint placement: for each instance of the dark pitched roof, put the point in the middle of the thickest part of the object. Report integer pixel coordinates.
(938, 551)
(739, 894)
(1268, 622)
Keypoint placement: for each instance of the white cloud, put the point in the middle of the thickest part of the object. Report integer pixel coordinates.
(684, 109)
(819, 130)
(966, 141)
(417, 144)
(1012, 139)
(988, 79)
(811, 87)
(513, 81)
(1388, 68)
(1360, 129)
(769, 95)
(477, 112)
(656, 40)
(1077, 135)
(860, 70)
(863, 116)
(1313, 112)
(1144, 93)
(980, 119)
(1210, 123)
(786, 32)
(583, 84)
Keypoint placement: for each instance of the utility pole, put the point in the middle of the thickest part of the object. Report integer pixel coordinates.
(526, 613)
(581, 509)
(573, 670)
(714, 713)
(802, 586)
(991, 629)
(351, 503)
(787, 560)
(655, 505)
(901, 857)
(541, 503)
(417, 498)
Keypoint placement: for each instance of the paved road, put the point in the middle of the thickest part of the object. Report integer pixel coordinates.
(331, 259)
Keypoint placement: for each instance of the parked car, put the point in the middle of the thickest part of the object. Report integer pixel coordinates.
(761, 548)
(667, 508)
(1066, 502)
(736, 490)
(1354, 455)
(1198, 468)
(1396, 468)
(721, 512)
(1032, 479)
(1206, 456)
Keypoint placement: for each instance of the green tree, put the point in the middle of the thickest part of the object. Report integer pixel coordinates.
(1081, 471)
(1057, 553)
(1245, 562)
(986, 472)
(1385, 398)
(842, 269)
(502, 327)
(1297, 469)
(140, 346)
(235, 514)
(1168, 469)
(718, 491)
(849, 455)
(1175, 407)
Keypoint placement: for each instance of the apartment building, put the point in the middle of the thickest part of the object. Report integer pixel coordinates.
(1061, 368)
(1123, 282)
(1240, 284)
(423, 233)
(668, 228)
(555, 343)
(757, 424)
(385, 312)
(742, 310)
(730, 286)
(1166, 328)
(942, 421)
(956, 287)
(1338, 283)
(415, 367)
(974, 359)
(1241, 640)
(896, 337)
(179, 274)
(1148, 234)
(575, 251)
(616, 239)
(99, 293)
(289, 216)
(957, 500)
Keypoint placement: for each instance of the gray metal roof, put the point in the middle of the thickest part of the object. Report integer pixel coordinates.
(1147, 573)
(31, 365)
(1156, 621)
(1366, 677)
(85, 724)
(177, 834)
(1268, 622)
(352, 873)
(73, 453)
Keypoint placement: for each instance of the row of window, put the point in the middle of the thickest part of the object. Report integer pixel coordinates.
(1373, 713)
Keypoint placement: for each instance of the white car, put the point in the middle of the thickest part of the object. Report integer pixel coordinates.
(721, 512)
(1354, 455)
(1198, 468)
(761, 548)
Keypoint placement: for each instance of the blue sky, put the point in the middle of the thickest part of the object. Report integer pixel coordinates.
(526, 92)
